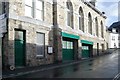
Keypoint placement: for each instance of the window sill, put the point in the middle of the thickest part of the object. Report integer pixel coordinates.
(29, 17)
(70, 27)
(80, 31)
(39, 57)
(31, 20)
(39, 19)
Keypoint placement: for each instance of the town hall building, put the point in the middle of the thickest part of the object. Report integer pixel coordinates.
(48, 31)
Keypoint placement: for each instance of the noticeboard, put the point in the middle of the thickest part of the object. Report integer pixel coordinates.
(49, 49)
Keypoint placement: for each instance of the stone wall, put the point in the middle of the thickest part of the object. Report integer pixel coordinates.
(31, 29)
(18, 20)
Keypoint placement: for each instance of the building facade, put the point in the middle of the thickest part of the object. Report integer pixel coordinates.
(83, 30)
(114, 39)
(73, 29)
(29, 33)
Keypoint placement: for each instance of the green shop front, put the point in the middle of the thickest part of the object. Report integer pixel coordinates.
(87, 49)
(69, 46)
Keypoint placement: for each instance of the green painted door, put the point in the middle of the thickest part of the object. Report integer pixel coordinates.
(19, 48)
(67, 51)
(85, 51)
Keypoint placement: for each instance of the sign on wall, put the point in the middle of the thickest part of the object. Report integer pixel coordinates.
(50, 50)
(3, 28)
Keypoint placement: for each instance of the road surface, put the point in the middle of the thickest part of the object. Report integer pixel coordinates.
(101, 67)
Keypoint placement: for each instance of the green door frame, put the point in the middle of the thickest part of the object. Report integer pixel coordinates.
(24, 47)
(68, 49)
(85, 51)
(87, 42)
(70, 35)
(74, 39)
(90, 44)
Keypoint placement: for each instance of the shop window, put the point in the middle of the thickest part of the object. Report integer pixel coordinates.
(64, 44)
(68, 45)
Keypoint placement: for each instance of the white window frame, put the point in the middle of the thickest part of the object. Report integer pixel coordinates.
(34, 10)
(102, 29)
(113, 38)
(96, 26)
(80, 23)
(81, 20)
(42, 10)
(30, 6)
(69, 18)
(43, 54)
(90, 26)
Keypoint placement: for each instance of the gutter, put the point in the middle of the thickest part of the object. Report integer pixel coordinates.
(95, 9)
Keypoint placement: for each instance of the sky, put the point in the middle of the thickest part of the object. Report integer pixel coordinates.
(110, 7)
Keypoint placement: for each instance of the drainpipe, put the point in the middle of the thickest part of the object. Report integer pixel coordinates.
(5, 10)
(57, 43)
(0, 57)
(118, 44)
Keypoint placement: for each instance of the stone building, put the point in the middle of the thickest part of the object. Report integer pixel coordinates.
(29, 33)
(113, 39)
(75, 30)
(83, 30)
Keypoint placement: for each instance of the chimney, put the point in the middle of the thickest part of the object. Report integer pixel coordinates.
(93, 2)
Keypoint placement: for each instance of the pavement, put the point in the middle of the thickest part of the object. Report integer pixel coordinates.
(28, 70)
(111, 50)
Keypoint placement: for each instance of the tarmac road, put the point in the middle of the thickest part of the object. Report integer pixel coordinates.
(101, 67)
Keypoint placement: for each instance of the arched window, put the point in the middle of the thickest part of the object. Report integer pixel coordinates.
(96, 25)
(102, 30)
(89, 23)
(81, 19)
(69, 14)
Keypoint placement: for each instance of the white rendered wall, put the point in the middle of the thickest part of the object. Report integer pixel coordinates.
(115, 41)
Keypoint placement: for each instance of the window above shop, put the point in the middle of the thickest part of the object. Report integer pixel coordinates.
(34, 9)
(69, 14)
